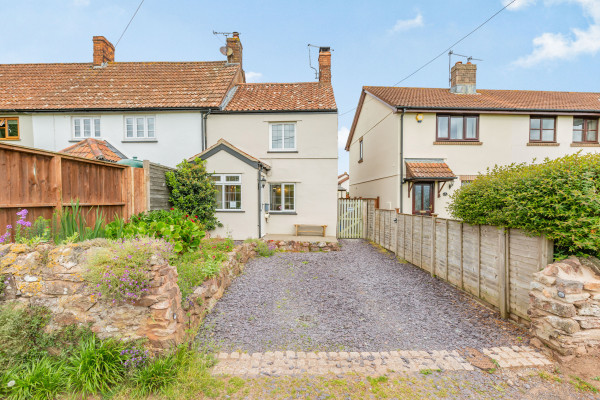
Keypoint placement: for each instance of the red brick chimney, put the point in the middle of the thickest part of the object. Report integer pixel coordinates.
(104, 51)
(325, 64)
(463, 78)
(236, 46)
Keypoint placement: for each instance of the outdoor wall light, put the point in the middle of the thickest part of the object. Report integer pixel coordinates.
(419, 118)
(263, 181)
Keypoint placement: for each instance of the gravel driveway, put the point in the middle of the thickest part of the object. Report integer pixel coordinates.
(356, 299)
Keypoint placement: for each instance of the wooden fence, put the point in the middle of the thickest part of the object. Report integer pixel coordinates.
(157, 193)
(44, 181)
(495, 265)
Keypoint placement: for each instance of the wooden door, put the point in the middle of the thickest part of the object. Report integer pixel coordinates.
(423, 198)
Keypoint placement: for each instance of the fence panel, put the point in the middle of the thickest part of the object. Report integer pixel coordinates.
(485, 261)
(157, 192)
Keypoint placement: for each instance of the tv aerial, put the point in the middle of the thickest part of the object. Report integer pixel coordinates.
(225, 50)
(450, 54)
(310, 60)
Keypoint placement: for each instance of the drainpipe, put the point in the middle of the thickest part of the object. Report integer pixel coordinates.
(204, 131)
(402, 159)
(259, 201)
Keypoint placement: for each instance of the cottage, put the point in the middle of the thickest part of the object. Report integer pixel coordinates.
(413, 147)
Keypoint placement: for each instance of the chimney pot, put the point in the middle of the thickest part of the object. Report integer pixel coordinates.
(325, 64)
(235, 45)
(463, 78)
(104, 51)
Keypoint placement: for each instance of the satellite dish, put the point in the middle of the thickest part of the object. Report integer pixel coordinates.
(226, 51)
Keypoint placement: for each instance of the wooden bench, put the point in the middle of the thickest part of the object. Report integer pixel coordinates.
(310, 230)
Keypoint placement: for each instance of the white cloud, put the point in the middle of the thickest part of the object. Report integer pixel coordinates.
(253, 76)
(343, 133)
(406, 24)
(558, 46)
(519, 4)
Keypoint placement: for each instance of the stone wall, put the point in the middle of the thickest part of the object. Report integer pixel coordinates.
(565, 308)
(54, 277)
(298, 246)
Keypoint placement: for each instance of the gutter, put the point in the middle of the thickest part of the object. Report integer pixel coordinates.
(401, 160)
(260, 168)
(515, 110)
(330, 111)
(111, 109)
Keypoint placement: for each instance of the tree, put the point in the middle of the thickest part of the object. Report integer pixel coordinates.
(193, 192)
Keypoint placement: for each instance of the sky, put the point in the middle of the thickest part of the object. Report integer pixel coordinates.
(533, 44)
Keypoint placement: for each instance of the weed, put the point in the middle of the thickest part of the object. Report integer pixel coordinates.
(549, 377)
(262, 249)
(582, 385)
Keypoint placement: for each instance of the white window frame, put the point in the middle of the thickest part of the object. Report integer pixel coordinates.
(283, 148)
(136, 138)
(223, 182)
(281, 184)
(94, 121)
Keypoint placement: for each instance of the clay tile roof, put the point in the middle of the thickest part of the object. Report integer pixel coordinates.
(343, 178)
(305, 96)
(428, 170)
(95, 149)
(223, 142)
(487, 99)
(121, 85)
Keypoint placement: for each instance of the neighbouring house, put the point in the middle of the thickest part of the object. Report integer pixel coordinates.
(413, 147)
(272, 146)
(343, 185)
(95, 149)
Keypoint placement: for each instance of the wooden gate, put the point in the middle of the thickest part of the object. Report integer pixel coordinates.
(351, 219)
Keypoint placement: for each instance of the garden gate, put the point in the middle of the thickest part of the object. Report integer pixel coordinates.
(351, 218)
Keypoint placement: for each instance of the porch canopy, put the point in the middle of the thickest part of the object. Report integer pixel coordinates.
(428, 170)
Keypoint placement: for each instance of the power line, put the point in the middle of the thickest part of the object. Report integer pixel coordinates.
(445, 51)
(129, 23)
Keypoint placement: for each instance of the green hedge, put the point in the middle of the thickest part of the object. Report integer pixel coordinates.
(559, 198)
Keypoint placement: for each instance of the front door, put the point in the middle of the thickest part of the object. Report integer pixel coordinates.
(422, 198)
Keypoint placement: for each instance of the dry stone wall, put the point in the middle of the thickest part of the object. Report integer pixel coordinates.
(565, 307)
(299, 246)
(53, 277)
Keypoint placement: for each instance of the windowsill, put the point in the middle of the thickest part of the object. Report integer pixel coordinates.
(585, 144)
(282, 151)
(458, 142)
(230, 211)
(9, 139)
(139, 140)
(543, 144)
(283, 213)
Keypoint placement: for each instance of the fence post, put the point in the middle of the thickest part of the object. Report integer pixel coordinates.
(447, 261)
(56, 181)
(432, 246)
(147, 184)
(502, 273)
(479, 261)
(462, 267)
(421, 244)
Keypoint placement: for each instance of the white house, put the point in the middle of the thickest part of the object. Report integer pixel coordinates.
(413, 147)
(272, 146)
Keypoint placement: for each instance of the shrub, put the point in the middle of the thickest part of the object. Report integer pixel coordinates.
(558, 198)
(40, 379)
(120, 272)
(183, 231)
(262, 248)
(193, 191)
(96, 365)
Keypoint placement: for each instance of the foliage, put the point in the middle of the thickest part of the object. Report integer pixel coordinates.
(26, 232)
(262, 248)
(183, 232)
(38, 379)
(194, 268)
(193, 192)
(71, 223)
(3, 283)
(120, 271)
(161, 371)
(96, 366)
(558, 198)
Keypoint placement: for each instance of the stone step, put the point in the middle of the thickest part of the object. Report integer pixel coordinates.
(278, 363)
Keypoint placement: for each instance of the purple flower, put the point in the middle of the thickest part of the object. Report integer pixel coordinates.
(23, 213)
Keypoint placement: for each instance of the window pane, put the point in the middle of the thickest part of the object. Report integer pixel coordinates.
(77, 127)
(456, 128)
(97, 127)
(233, 197)
(578, 123)
(443, 127)
(150, 121)
(592, 136)
(2, 129)
(577, 136)
(232, 178)
(592, 124)
(548, 123)
(548, 136)
(471, 128)
(289, 136)
(276, 197)
(13, 128)
(129, 127)
(87, 128)
(139, 122)
(216, 178)
(418, 197)
(288, 197)
(277, 136)
(219, 197)
(534, 123)
(534, 135)
(426, 197)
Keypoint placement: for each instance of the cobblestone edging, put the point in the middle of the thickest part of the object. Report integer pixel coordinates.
(321, 363)
(298, 246)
